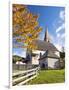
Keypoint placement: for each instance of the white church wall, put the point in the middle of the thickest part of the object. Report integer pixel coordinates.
(38, 52)
(53, 63)
(35, 60)
(57, 53)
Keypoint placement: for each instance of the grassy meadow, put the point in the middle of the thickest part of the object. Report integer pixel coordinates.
(49, 76)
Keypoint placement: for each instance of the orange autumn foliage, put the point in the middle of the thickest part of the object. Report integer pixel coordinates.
(25, 26)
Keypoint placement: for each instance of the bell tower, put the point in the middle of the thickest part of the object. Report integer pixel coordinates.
(47, 38)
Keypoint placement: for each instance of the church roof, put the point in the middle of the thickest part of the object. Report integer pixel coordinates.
(49, 54)
(43, 46)
(34, 54)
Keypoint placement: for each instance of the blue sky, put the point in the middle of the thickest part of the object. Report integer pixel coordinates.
(52, 18)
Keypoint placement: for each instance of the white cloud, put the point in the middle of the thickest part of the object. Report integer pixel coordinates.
(58, 35)
(61, 19)
(60, 28)
(51, 37)
(58, 47)
(63, 35)
(62, 15)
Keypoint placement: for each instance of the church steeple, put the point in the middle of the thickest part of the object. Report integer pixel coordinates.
(46, 38)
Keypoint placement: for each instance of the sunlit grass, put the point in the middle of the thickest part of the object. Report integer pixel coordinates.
(49, 76)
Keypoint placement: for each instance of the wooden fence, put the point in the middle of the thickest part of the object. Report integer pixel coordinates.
(22, 77)
(23, 67)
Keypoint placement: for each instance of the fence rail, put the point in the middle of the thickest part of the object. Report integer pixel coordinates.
(22, 77)
(23, 67)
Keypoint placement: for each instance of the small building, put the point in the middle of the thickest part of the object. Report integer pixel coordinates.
(49, 60)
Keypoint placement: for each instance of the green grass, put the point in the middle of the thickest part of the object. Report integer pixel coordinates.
(49, 76)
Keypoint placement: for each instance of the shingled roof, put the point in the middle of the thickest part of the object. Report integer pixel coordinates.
(43, 46)
(49, 54)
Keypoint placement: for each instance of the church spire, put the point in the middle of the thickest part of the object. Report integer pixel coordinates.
(46, 38)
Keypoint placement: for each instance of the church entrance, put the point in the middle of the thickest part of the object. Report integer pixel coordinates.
(43, 66)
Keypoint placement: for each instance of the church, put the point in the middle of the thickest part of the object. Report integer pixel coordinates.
(46, 56)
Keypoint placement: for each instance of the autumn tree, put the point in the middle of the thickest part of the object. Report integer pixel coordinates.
(25, 26)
